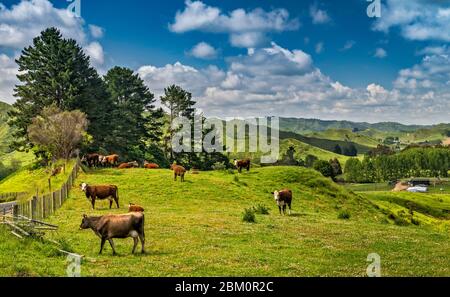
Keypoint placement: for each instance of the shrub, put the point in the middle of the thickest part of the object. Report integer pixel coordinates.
(219, 166)
(261, 209)
(249, 216)
(344, 215)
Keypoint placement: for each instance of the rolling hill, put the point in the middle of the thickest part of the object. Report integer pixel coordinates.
(188, 237)
(346, 135)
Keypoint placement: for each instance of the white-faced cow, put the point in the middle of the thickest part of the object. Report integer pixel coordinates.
(242, 164)
(109, 192)
(283, 198)
(116, 226)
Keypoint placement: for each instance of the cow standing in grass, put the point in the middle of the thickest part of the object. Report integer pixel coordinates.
(242, 164)
(117, 226)
(283, 198)
(109, 192)
(178, 171)
(111, 161)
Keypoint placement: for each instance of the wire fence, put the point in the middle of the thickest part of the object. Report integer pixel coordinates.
(40, 207)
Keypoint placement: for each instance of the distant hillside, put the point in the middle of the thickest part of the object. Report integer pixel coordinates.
(5, 132)
(325, 144)
(303, 126)
(346, 135)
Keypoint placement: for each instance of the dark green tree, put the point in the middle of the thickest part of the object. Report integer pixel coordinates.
(309, 161)
(134, 118)
(337, 149)
(324, 168)
(56, 71)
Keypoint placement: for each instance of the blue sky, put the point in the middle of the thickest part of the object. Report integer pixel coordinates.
(324, 59)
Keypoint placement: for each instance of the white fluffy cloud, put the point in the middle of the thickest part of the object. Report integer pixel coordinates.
(22, 22)
(246, 28)
(203, 50)
(278, 81)
(417, 19)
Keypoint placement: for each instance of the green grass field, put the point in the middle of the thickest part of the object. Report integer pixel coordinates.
(196, 229)
(32, 181)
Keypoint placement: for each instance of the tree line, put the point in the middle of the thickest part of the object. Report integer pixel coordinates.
(412, 162)
(116, 113)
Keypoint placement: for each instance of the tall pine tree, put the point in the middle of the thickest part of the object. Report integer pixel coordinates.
(54, 70)
(134, 118)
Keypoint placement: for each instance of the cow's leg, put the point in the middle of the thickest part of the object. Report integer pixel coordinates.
(142, 239)
(279, 207)
(290, 208)
(284, 209)
(102, 244)
(135, 240)
(175, 177)
(110, 203)
(182, 178)
(93, 202)
(111, 242)
(117, 201)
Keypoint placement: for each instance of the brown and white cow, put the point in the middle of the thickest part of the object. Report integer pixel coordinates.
(101, 192)
(283, 198)
(91, 160)
(111, 160)
(242, 164)
(178, 171)
(128, 165)
(135, 208)
(148, 165)
(117, 226)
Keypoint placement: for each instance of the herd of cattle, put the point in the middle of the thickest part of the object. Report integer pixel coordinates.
(132, 224)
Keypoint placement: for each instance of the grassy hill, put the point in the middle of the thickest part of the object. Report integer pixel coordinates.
(196, 229)
(346, 135)
(325, 144)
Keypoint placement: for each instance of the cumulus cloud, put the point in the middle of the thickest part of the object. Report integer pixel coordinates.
(95, 51)
(380, 53)
(25, 20)
(348, 45)
(318, 16)
(283, 82)
(22, 22)
(416, 19)
(203, 51)
(8, 72)
(246, 28)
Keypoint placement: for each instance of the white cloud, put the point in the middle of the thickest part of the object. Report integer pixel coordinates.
(417, 19)
(25, 20)
(279, 81)
(96, 31)
(319, 47)
(22, 22)
(433, 50)
(203, 51)
(380, 53)
(318, 16)
(348, 45)
(95, 51)
(246, 28)
(8, 72)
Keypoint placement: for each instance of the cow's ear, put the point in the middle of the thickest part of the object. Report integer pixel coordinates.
(273, 193)
(84, 216)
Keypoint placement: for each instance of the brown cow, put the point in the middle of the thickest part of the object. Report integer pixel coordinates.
(240, 164)
(150, 165)
(135, 208)
(111, 160)
(178, 171)
(117, 226)
(128, 165)
(92, 160)
(101, 192)
(283, 198)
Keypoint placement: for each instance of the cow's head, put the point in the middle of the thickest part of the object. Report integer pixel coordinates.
(276, 195)
(235, 162)
(83, 187)
(84, 223)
